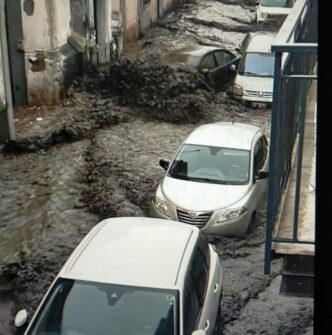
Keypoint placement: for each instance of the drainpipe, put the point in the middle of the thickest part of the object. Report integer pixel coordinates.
(7, 130)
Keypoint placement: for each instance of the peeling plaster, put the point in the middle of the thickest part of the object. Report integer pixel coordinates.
(29, 7)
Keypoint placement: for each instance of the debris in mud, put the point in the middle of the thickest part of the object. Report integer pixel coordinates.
(176, 94)
(16, 278)
(74, 127)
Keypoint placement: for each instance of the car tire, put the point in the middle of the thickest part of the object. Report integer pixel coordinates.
(251, 224)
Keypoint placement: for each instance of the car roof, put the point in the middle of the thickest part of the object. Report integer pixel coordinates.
(131, 251)
(260, 43)
(188, 55)
(224, 134)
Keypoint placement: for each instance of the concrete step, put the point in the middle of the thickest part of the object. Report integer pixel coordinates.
(298, 276)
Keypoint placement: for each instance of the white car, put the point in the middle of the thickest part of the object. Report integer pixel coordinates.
(253, 82)
(134, 276)
(217, 179)
(273, 10)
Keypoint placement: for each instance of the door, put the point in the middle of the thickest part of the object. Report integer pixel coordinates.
(223, 74)
(206, 66)
(16, 50)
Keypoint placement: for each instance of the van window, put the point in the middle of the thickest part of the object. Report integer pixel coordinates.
(277, 3)
(257, 64)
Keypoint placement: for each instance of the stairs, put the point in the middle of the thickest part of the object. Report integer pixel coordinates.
(298, 276)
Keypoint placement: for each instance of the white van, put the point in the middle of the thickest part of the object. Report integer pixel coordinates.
(273, 10)
(253, 82)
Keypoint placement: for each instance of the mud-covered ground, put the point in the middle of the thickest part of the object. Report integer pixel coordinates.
(96, 156)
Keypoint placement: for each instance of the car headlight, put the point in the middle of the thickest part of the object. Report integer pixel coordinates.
(161, 206)
(265, 15)
(237, 89)
(232, 214)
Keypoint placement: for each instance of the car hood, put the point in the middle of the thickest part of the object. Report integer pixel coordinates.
(198, 196)
(252, 83)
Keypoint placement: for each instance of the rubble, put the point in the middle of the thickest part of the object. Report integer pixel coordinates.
(178, 93)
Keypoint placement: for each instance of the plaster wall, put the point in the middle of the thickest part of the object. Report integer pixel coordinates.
(131, 21)
(46, 27)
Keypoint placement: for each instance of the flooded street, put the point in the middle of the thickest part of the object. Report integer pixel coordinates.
(97, 157)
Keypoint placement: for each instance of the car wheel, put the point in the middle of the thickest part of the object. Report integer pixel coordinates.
(251, 223)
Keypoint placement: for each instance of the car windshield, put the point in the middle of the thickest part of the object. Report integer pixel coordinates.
(211, 164)
(87, 308)
(257, 64)
(277, 3)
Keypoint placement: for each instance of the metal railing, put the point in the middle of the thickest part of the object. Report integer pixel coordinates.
(295, 49)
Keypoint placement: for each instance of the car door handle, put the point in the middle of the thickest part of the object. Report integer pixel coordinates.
(207, 325)
(216, 287)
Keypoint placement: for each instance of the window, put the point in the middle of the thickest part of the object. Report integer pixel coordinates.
(196, 284)
(203, 247)
(259, 158)
(222, 58)
(191, 306)
(200, 274)
(98, 308)
(264, 147)
(257, 64)
(209, 164)
(277, 3)
(208, 62)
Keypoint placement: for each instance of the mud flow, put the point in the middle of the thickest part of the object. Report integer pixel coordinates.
(96, 156)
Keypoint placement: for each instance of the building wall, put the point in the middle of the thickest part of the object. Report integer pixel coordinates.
(46, 27)
(131, 24)
(138, 18)
(154, 10)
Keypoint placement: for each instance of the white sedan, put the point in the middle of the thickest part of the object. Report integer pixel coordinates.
(217, 179)
(133, 276)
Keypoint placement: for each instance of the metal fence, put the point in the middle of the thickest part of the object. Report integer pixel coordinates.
(295, 51)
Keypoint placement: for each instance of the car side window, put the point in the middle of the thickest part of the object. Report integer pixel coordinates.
(203, 247)
(191, 305)
(200, 274)
(208, 62)
(264, 147)
(221, 57)
(258, 157)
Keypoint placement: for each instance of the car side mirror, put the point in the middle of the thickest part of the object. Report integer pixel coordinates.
(262, 175)
(164, 164)
(233, 67)
(199, 332)
(21, 318)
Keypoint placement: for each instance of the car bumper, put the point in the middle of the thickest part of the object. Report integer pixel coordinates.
(237, 227)
(254, 101)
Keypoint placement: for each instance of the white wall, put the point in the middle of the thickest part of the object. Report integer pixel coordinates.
(45, 30)
(131, 24)
(61, 22)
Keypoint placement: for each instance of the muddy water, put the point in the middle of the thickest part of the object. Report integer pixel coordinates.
(42, 219)
(50, 199)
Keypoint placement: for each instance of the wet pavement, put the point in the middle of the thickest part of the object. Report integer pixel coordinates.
(97, 155)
